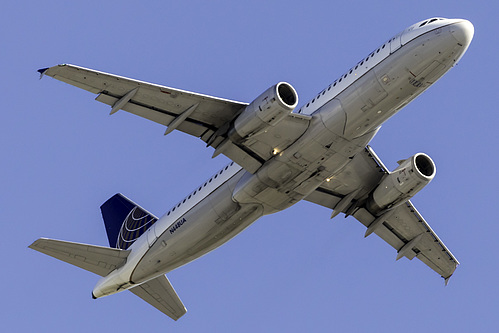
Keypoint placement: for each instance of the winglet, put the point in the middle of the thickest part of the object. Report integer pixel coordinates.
(42, 71)
(447, 280)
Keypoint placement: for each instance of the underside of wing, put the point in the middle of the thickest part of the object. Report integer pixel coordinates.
(407, 231)
(155, 102)
(206, 117)
(362, 174)
(402, 226)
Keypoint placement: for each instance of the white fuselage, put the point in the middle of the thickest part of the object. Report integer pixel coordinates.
(345, 117)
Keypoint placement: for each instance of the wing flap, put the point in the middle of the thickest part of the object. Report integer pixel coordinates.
(96, 259)
(160, 293)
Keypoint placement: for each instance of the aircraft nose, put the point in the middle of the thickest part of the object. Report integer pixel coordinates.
(463, 31)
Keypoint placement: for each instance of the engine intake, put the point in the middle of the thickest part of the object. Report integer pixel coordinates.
(402, 183)
(266, 110)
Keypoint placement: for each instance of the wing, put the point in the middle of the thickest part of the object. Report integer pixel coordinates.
(402, 227)
(160, 293)
(206, 117)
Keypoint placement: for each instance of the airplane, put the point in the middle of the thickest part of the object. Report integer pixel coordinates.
(280, 155)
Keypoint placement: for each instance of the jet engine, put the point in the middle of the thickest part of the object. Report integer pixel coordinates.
(402, 183)
(266, 110)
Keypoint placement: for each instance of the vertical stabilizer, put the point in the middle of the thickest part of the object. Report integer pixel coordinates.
(125, 221)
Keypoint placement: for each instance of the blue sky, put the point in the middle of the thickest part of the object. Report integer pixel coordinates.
(295, 271)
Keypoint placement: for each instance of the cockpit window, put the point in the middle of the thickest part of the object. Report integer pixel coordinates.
(429, 21)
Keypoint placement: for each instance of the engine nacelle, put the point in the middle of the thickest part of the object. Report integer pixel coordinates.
(266, 110)
(402, 183)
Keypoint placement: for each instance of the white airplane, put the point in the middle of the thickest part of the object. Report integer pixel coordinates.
(280, 156)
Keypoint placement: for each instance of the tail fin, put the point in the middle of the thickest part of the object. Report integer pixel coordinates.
(96, 259)
(125, 221)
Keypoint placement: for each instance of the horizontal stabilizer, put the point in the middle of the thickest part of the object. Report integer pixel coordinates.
(96, 259)
(160, 293)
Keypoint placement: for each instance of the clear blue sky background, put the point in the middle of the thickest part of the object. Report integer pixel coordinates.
(296, 271)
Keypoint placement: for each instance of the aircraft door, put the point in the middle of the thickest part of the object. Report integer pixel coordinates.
(395, 43)
(151, 235)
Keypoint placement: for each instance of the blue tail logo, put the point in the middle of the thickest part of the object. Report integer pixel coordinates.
(125, 221)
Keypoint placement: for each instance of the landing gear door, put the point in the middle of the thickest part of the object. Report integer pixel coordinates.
(395, 43)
